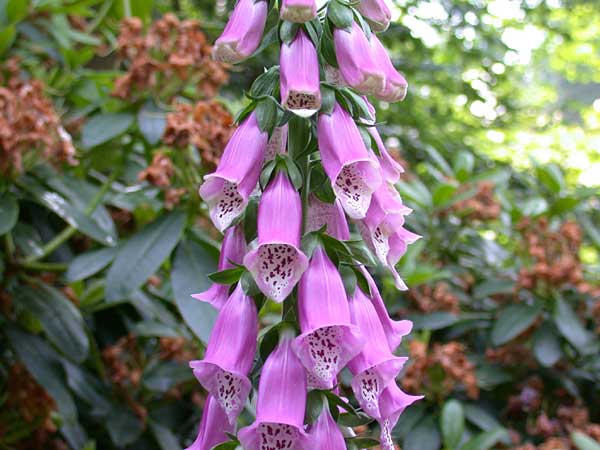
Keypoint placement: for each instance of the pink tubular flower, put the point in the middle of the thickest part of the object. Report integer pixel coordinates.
(375, 366)
(281, 404)
(395, 84)
(277, 142)
(233, 250)
(299, 65)
(392, 404)
(226, 191)
(394, 330)
(278, 263)
(298, 10)
(390, 168)
(325, 433)
(213, 426)
(358, 65)
(330, 214)
(377, 13)
(328, 340)
(353, 173)
(229, 354)
(243, 32)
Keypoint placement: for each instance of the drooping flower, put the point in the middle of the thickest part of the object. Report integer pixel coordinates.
(375, 366)
(382, 229)
(299, 65)
(394, 330)
(330, 214)
(277, 142)
(281, 403)
(233, 250)
(392, 403)
(390, 168)
(230, 353)
(226, 190)
(243, 32)
(395, 86)
(328, 340)
(298, 10)
(278, 263)
(353, 173)
(325, 432)
(377, 13)
(357, 62)
(213, 426)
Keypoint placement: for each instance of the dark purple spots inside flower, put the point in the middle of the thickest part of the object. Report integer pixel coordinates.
(229, 205)
(277, 269)
(277, 436)
(353, 192)
(229, 392)
(325, 351)
(369, 388)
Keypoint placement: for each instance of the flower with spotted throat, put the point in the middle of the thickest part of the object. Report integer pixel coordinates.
(353, 173)
(213, 426)
(278, 263)
(230, 353)
(328, 340)
(227, 189)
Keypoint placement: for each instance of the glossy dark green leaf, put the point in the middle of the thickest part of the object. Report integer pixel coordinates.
(287, 31)
(60, 319)
(552, 177)
(229, 445)
(340, 15)
(152, 122)
(88, 388)
(452, 423)
(227, 276)
(165, 438)
(480, 417)
(124, 427)
(162, 376)
(433, 321)
(425, 436)
(546, 345)
(485, 440)
(570, 327)
(9, 212)
(142, 255)
(191, 265)
(314, 406)
(463, 164)
(266, 83)
(354, 420)
(90, 263)
(512, 321)
(103, 127)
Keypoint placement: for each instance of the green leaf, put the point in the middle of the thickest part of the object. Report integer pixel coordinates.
(349, 279)
(191, 264)
(267, 114)
(360, 442)
(340, 15)
(152, 122)
(123, 426)
(60, 319)
(480, 417)
(9, 212)
(142, 255)
(570, 327)
(266, 83)
(433, 321)
(7, 38)
(287, 31)
(103, 127)
(533, 207)
(227, 276)
(485, 440)
(88, 388)
(229, 445)
(443, 193)
(425, 436)
(354, 420)
(452, 423)
(512, 321)
(463, 164)
(314, 406)
(546, 345)
(328, 99)
(492, 287)
(551, 176)
(43, 363)
(90, 263)
(584, 442)
(16, 10)
(164, 375)
(164, 436)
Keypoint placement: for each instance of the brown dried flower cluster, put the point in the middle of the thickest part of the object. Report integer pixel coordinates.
(123, 361)
(438, 298)
(482, 206)
(177, 349)
(439, 370)
(555, 255)
(206, 125)
(511, 354)
(170, 52)
(159, 172)
(29, 125)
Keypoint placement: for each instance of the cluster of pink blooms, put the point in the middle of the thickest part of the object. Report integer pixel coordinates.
(337, 330)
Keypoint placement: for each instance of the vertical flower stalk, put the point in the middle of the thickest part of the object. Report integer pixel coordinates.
(227, 190)
(229, 355)
(278, 263)
(300, 89)
(243, 31)
(233, 250)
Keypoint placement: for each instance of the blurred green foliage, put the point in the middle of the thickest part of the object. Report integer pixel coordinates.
(500, 134)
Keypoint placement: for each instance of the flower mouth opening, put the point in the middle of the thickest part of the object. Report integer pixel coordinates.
(304, 104)
(299, 14)
(372, 83)
(277, 436)
(226, 52)
(227, 205)
(354, 186)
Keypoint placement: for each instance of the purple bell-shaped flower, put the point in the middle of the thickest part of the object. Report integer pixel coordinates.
(329, 214)
(392, 403)
(325, 432)
(227, 189)
(278, 263)
(395, 86)
(377, 13)
(213, 426)
(230, 353)
(328, 340)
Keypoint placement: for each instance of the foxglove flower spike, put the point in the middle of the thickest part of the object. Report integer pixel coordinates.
(213, 426)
